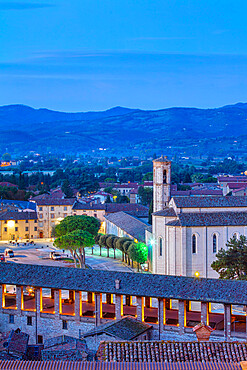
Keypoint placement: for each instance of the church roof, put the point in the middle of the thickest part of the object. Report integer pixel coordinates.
(167, 212)
(208, 202)
(210, 219)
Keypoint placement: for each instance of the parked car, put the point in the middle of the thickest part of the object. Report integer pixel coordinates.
(9, 253)
(2, 258)
(56, 256)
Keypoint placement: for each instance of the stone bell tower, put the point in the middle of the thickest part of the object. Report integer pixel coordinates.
(161, 183)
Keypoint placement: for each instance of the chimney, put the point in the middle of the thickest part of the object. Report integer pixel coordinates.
(117, 284)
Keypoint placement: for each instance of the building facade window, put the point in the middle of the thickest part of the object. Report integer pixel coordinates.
(65, 208)
(194, 244)
(29, 321)
(41, 215)
(35, 221)
(65, 325)
(52, 215)
(160, 246)
(214, 243)
(16, 221)
(16, 228)
(40, 339)
(26, 228)
(11, 319)
(52, 208)
(26, 221)
(40, 209)
(65, 215)
(35, 229)
(5, 229)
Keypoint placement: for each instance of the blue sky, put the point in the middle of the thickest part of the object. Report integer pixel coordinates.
(81, 55)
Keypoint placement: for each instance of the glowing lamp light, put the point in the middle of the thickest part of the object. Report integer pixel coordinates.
(197, 274)
(152, 242)
(11, 223)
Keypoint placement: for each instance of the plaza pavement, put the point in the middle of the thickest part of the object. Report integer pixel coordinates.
(39, 254)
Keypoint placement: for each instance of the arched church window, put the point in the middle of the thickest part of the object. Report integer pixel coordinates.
(164, 177)
(236, 236)
(160, 246)
(194, 243)
(214, 243)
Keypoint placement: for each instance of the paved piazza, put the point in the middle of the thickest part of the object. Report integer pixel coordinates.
(38, 254)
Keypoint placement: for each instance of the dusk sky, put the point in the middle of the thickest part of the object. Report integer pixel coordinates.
(80, 55)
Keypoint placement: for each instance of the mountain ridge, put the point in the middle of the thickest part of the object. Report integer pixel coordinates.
(117, 128)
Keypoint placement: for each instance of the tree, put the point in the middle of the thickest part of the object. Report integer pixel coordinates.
(71, 223)
(66, 189)
(146, 195)
(76, 242)
(138, 252)
(119, 244)
(110, 243)
(80, 231)
(126, 246)
(232, 263)
(108, 199)
(96, 239)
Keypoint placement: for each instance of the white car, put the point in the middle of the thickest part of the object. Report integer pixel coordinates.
(56, 256)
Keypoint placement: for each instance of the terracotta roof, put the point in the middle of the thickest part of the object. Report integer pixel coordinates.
(55, 201)
(137, 210)
(145, 285)
(8, 184)
(79, 365)
(160, 351)
(126, 328)
(210, 219)
(237, 185)
(232, 178)
(15, 215)
(208, 202)
(131, 225)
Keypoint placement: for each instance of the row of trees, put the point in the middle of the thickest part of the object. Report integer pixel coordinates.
(75, 233)
(131, 251)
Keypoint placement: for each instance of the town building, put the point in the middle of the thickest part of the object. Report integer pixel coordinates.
(124, 224)
(16, 225)
(187, 232)
(50, 212)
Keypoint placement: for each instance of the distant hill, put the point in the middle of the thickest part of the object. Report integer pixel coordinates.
(25, 128)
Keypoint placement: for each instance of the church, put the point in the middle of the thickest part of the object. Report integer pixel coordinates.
(187, 232)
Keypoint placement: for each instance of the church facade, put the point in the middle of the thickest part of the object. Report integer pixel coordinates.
(187, 232)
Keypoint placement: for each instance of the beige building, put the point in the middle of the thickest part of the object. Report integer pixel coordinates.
(51, 212)
(18, 225)
(187, 232)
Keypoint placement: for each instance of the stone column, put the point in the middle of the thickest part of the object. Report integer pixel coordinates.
(38, 303)
(57, 302)
(204, 313)
(1, 298)
(118, 306)
(181, 315)
(19, 299)
(161, 315)
(140, 309)
(183, 251)
(77, 305)
(227, 321)
(98, 308)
